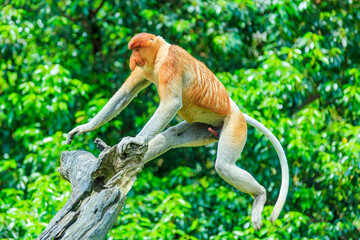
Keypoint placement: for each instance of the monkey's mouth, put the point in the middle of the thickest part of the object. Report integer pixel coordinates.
(134, 64)
(140, 64)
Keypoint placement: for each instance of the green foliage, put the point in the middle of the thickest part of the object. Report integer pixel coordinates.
(293, 65)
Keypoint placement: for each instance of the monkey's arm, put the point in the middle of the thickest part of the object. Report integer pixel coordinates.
(162, 116)
(170, 92)
(132, 86)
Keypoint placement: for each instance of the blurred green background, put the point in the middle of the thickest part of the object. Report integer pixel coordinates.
(293, 65)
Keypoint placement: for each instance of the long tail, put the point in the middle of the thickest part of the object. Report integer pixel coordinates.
(283, 162)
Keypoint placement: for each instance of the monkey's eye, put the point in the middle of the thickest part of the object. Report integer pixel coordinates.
(136, 49)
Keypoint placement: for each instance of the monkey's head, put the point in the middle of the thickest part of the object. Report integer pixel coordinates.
(144, 48)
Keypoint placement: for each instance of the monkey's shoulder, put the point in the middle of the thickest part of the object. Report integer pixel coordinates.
(179, 58)
(172, 64)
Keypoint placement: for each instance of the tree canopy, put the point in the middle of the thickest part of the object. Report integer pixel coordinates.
(292, 65)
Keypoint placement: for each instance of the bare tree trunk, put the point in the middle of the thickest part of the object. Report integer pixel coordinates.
(98, 191)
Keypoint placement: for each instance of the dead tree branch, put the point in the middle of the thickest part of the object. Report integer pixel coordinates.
(98, 191)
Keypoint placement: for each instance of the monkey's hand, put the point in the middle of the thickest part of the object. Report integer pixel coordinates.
(124, 145)
(78, 130)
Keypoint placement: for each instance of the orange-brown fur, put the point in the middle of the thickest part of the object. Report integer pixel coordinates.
(239, 128)
(200, 90)
(204, 89)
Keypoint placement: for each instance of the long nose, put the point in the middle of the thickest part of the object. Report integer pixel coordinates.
(132, 64)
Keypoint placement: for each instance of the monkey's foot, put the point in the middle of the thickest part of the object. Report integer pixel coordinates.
(258, 207)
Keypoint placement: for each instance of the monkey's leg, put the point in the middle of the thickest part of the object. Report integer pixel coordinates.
(231, 143)
(182, 135)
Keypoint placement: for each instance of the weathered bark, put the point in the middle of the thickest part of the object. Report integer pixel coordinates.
(98, 191)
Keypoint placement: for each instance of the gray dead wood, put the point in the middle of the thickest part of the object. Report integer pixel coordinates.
(98, 191)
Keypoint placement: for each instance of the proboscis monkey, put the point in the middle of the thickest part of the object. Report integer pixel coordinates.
(188, 88)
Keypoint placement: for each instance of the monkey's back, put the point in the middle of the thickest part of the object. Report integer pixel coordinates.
(201, 88)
